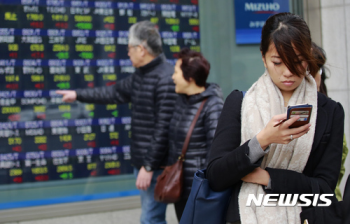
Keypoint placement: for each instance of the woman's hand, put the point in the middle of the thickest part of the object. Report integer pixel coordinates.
(280, 134)
(257, 176)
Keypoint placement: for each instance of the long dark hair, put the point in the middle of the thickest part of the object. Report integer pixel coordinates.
(288, 32)
(320, 54)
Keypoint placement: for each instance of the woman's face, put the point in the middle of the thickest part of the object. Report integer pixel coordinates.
(181, 84)
(286, 81)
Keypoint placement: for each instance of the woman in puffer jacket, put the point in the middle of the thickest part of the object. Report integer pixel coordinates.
(190, 75)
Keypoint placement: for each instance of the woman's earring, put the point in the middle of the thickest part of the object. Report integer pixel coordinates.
(307, 71)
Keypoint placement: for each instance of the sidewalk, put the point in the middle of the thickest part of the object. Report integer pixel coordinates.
(131, 216)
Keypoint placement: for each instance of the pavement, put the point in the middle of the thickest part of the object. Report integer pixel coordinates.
(131, 216)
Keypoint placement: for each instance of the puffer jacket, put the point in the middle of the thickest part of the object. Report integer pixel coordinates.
(152, 94)
(186, 108)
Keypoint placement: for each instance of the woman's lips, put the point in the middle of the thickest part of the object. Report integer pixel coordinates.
(288, 83)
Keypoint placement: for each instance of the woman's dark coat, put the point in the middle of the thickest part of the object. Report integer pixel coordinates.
(186, 108)
(228, 161)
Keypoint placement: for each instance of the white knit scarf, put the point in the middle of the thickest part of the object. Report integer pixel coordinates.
(261, 102)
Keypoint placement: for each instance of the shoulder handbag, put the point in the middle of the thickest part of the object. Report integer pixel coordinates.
(335, 213)
(168, 188)
(205, 205)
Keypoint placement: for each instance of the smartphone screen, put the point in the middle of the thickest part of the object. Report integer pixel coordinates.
(304, 113)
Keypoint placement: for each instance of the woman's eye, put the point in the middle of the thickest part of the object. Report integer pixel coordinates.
(277, 63)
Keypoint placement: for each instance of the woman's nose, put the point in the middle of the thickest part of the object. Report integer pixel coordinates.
(287, 73)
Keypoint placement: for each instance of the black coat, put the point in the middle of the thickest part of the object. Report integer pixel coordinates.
(152, 94)
(203, 133)
(228, 161)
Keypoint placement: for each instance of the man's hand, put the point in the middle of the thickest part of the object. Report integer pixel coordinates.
(69, 96)
(144, 178)
(257, 176)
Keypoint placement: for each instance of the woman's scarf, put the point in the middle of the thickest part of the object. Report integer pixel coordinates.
(261, 102)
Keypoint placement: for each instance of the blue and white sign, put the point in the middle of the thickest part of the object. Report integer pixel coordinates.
(250, 16)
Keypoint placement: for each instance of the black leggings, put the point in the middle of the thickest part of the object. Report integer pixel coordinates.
(180, 207)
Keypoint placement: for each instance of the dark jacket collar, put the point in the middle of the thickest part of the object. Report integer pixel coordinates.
(322, 99)
(153, 64)
(211, 89)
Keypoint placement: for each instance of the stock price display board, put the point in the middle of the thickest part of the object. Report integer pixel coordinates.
(47, 45)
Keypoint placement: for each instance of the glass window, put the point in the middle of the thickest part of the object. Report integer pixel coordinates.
(54, 152)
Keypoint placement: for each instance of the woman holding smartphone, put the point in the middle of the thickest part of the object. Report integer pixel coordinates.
(251, 156)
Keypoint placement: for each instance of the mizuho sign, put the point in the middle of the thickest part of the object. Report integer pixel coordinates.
(254, 7)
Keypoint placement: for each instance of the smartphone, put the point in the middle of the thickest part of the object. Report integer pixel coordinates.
(304, 113)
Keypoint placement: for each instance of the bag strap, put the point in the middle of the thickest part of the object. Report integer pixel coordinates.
(189, 132)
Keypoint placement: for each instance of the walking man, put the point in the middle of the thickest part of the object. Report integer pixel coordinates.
(152, 94)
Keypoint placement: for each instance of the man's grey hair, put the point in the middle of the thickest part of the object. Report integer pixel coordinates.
(146, 34)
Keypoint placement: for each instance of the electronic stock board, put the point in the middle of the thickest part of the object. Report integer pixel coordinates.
(46, 45)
